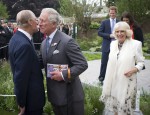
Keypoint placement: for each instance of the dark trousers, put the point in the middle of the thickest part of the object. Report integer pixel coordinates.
(104, 61)
(36, 112)
(76, 109)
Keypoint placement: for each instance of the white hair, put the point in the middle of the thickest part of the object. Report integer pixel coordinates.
(123, 26)
(23, 17)
(54, 16)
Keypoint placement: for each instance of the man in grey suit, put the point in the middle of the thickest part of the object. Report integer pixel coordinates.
(64, 88)
(105, 31)
(27, 74)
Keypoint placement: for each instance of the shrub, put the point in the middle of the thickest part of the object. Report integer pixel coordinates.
(146, 47)
(90, 44)
(6, 87)
(145, 104)
(94, 25)
(92, 104)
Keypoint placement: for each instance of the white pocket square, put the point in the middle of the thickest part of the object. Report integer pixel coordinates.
(54, 44)
(56, 52)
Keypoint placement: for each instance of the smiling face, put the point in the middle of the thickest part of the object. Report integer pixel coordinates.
(112, 14)
(46, 26)
(121, 35)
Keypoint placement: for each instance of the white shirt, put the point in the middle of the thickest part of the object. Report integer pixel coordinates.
(26, 33)
(51, 36)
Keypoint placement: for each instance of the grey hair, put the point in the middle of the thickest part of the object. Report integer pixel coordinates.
(123, 26)
(54, 16)
(23, 17)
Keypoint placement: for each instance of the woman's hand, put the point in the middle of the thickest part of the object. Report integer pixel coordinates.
(130, 72)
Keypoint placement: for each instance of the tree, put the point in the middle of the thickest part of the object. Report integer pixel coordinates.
(66, 8)
(140, 9)
(14, 6)
(3, 11)
(81, 9)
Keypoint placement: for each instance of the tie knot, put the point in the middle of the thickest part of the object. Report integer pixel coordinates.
(113, 20)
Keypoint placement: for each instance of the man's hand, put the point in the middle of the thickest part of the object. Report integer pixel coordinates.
(56, 75)
(112, 36)
(22, 110)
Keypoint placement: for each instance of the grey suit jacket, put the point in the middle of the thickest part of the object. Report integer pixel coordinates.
(68, 53)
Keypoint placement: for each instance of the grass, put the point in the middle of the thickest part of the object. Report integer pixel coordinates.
(92, 56)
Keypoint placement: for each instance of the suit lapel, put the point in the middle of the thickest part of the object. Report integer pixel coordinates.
(54, 44)
(44, 53)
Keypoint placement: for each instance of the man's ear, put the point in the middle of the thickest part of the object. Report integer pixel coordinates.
(30, 22)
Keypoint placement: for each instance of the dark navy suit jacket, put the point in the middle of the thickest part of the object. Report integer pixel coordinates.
(104, 31)
(27, 75)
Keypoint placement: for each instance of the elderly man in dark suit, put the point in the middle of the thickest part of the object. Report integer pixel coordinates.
(27, 74)
(64, 88)
(105, 31)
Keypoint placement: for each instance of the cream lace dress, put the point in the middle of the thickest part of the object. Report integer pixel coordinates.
(119, 91)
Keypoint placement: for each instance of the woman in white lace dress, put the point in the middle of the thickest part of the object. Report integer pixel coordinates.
(125, 61)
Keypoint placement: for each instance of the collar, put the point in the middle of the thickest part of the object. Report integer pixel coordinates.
(26, 33)
(52, 34)
(112, 19)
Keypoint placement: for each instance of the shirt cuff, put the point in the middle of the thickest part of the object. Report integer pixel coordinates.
(62, 76)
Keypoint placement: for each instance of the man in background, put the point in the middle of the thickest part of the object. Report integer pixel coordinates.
(105, 31)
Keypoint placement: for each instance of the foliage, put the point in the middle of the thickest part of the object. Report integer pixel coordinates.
(138, 8)
(110, 3)
(91, 56)
(3, 10)
(66, 8)
(6, 87)
(146, 47)
(48, 108)
(14, 6)
(94, 25)
(90, 44)
(4, 112)
(92, 104)
(81, 10)
(145, 103)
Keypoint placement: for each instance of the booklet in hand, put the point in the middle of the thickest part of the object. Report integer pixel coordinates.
(55, 67)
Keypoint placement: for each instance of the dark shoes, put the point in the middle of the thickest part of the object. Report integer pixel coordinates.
(101, 79)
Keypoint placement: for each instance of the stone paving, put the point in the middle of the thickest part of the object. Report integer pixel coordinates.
(90, 76)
